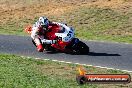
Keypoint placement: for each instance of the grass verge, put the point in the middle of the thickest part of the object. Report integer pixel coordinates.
(21, 72)
(101, 24)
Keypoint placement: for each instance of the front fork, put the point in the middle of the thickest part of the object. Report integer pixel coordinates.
(73, 43)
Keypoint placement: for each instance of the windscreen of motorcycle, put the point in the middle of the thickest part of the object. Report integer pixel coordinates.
(66, 35)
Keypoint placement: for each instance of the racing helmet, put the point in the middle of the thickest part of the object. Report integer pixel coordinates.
(44, 22)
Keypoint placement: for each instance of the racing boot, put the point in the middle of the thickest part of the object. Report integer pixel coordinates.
(40, 48)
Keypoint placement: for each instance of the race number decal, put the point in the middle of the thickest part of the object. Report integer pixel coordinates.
(69, 35)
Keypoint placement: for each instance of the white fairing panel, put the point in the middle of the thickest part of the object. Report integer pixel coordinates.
(67, 35)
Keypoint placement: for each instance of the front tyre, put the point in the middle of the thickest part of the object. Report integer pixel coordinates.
(81, 48)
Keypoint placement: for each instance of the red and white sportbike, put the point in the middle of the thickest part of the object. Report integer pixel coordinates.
(66, 42)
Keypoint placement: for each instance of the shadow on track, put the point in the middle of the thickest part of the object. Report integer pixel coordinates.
(102, 54)
(89, 54)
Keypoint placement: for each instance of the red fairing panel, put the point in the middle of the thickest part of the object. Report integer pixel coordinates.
(54, 28)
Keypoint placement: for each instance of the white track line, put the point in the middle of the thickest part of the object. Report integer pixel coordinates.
(82, 64)
(89, 65)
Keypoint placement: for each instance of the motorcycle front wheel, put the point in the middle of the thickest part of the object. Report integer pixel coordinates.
(81, 48)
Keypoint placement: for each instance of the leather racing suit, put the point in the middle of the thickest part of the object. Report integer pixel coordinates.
(39, 33)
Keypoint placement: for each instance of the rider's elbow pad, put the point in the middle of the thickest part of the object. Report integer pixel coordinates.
(33, 36)
(34, 33)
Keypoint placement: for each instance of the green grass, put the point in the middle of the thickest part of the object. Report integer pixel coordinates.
(21, 72)
(101, 24)
(14, 27)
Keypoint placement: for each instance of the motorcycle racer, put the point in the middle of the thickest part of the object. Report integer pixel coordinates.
(42, 27)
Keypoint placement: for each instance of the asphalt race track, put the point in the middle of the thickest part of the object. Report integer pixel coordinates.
(112, 55)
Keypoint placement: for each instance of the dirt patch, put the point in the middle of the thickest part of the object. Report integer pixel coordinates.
(21, 9)
(30, 12)
(108, 3)
(18, 13)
